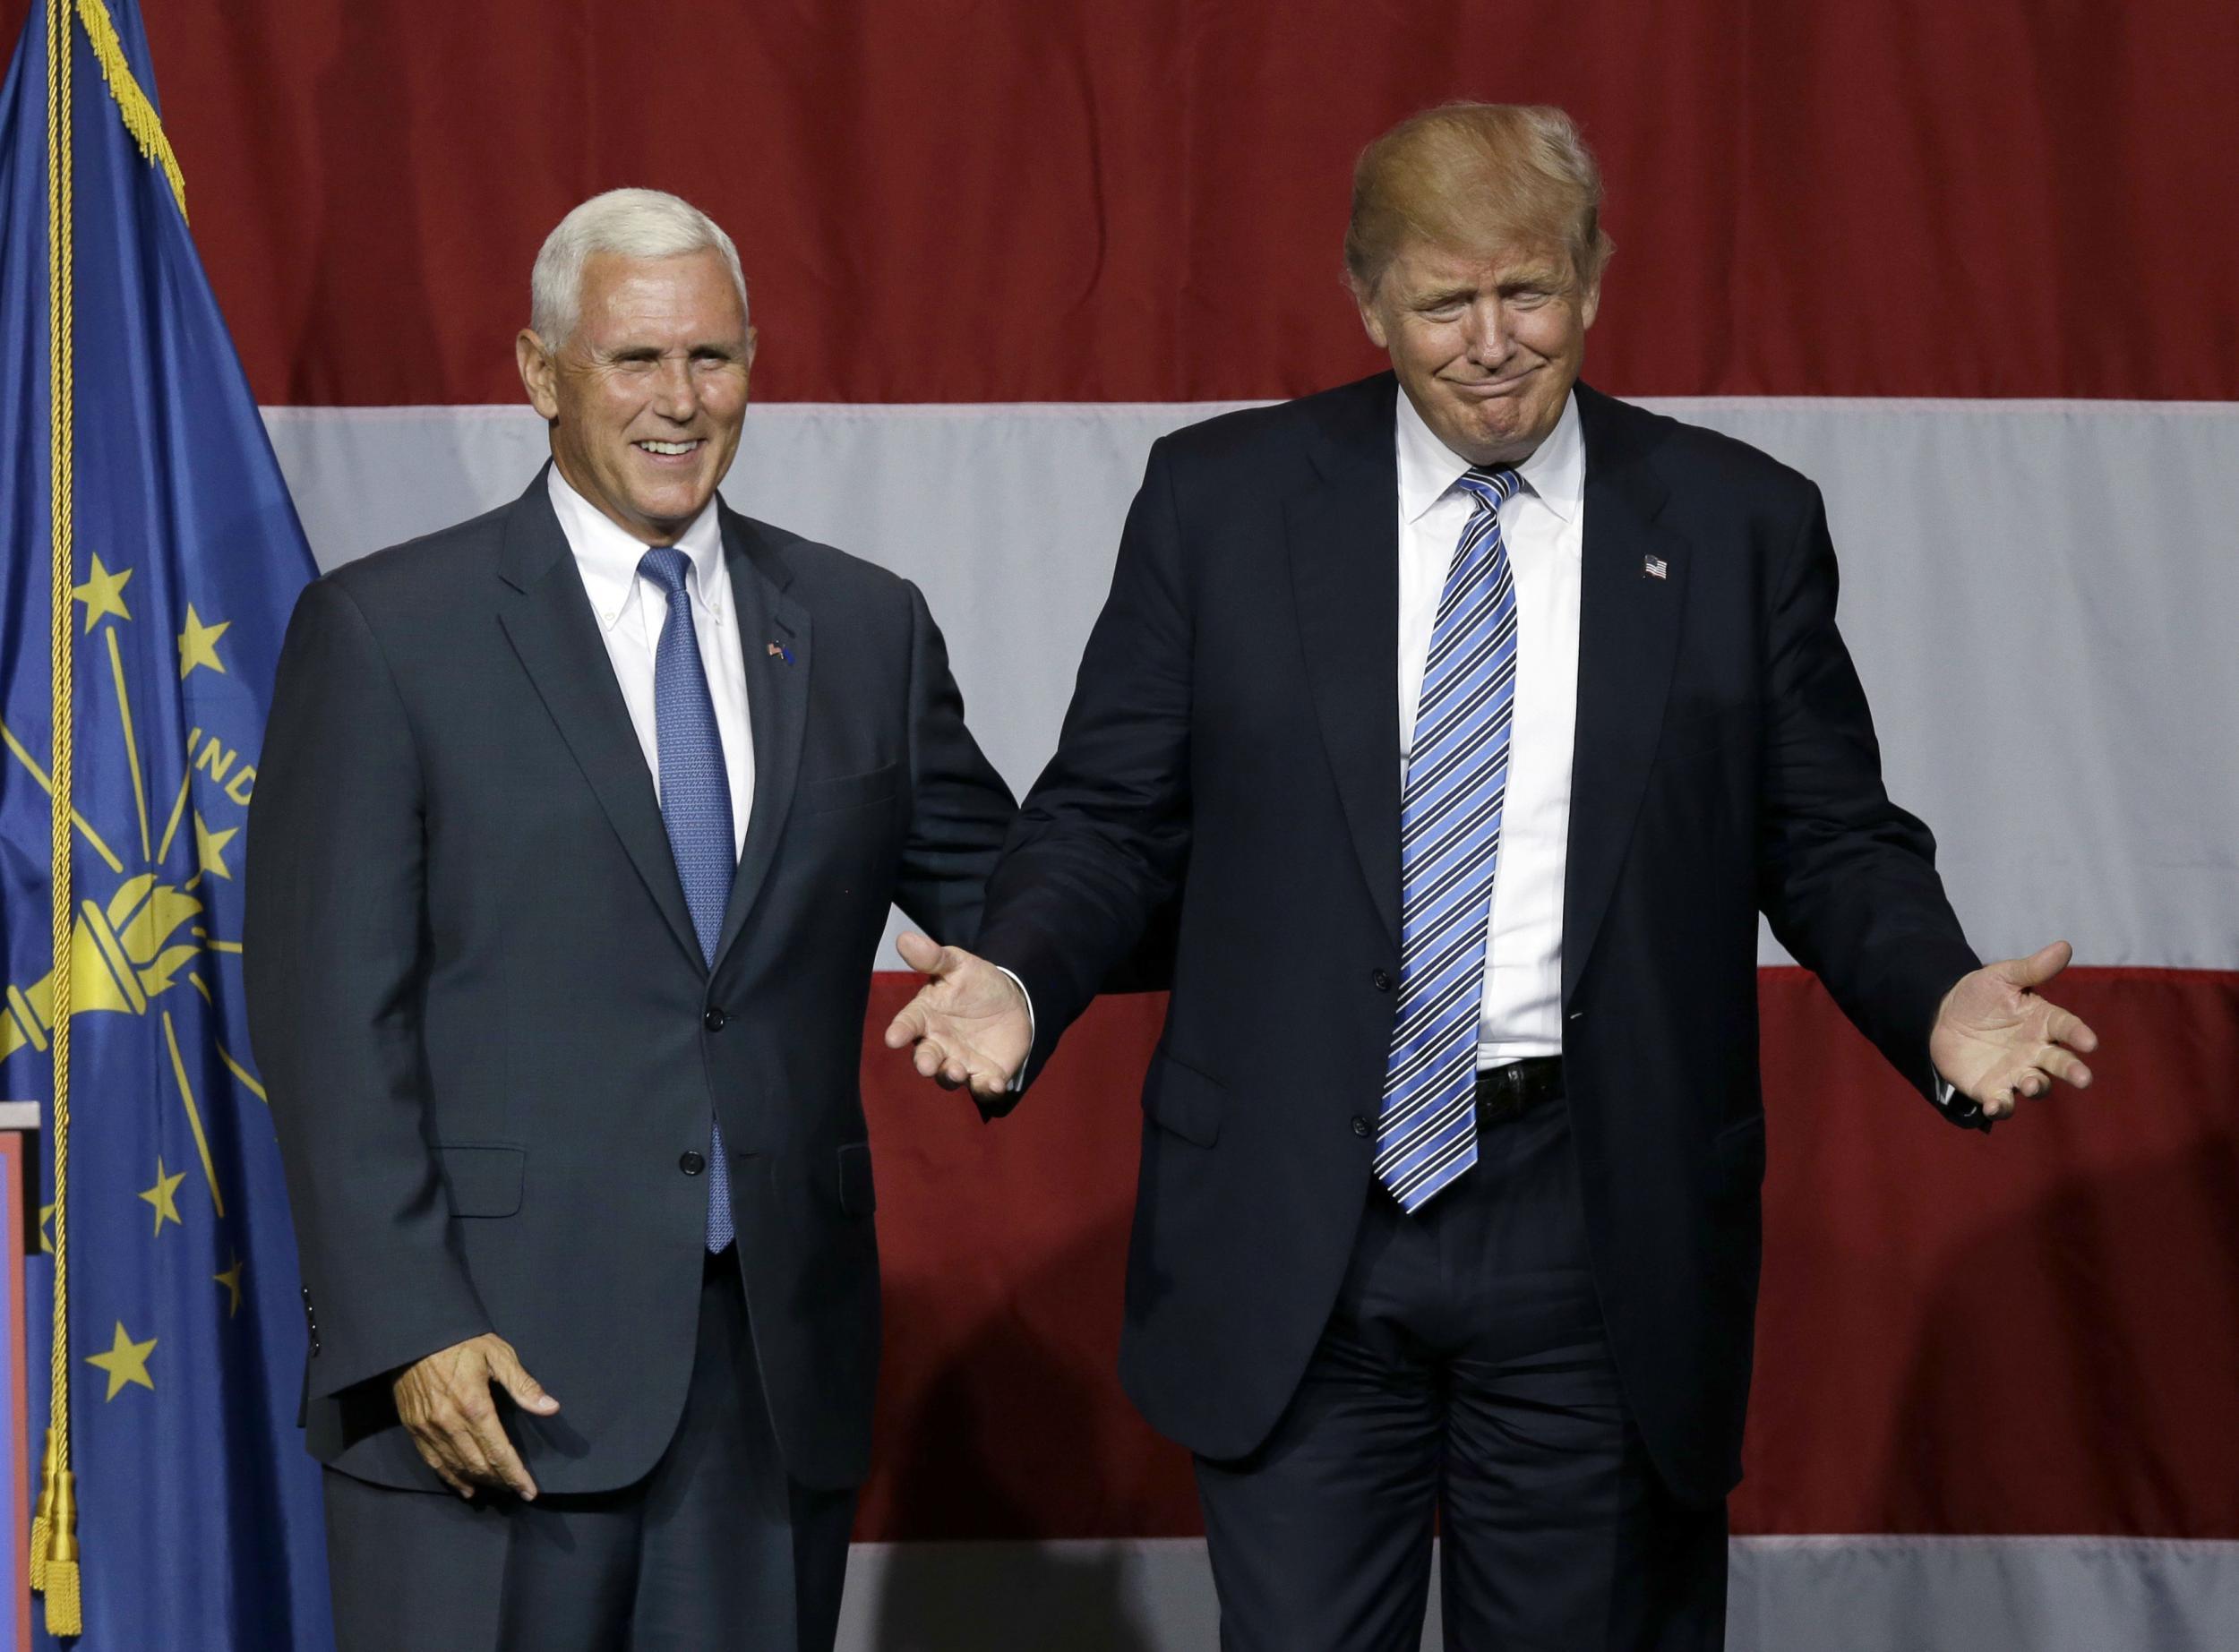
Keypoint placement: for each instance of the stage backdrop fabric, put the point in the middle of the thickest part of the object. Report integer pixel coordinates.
(1974, 269)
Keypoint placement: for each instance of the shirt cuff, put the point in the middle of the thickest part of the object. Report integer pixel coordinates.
(1018, 1079)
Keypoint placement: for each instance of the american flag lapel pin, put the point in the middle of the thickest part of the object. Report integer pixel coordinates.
(1655, 567)
(778, 651)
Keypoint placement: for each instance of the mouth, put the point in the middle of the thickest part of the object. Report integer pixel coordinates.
(1493, 390)
(670, 453)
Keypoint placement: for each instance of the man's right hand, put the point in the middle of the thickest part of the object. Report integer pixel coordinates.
(968, 1025)
(447, 1407)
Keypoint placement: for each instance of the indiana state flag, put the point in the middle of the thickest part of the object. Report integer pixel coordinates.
(129, 445)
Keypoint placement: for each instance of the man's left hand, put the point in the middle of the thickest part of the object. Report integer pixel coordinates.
(1996, 1041)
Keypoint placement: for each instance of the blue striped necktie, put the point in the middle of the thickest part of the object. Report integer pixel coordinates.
(1457, 779)
(695, 805)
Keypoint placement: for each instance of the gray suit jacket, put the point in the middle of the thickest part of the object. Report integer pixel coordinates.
(484, 1019)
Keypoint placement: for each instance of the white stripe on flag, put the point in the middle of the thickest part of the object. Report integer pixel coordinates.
(2037, 594)
(1784, 1595)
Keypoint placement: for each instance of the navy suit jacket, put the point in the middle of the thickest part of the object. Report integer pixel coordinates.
(1231, 751)
(483, 1015)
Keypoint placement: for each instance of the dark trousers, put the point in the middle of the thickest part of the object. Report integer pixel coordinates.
(717, 1547)
(1464, 1387)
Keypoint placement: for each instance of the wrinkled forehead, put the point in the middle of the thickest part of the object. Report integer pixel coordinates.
(693, 287)
(1486, 263)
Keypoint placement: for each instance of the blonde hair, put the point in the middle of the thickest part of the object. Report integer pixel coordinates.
(635, 223)
(1473, 174)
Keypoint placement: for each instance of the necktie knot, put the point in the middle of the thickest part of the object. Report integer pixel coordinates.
(1491, 488)
(666, 566)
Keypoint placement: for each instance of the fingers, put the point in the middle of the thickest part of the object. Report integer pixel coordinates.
(2039, 967)
(447, 1444)
(906, 1028)
(2062, 1028)
(919, 953)
(441, 1463)
(505, 1463)
(528, 1392)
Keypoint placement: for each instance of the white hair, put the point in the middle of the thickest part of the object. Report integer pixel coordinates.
(634, 223)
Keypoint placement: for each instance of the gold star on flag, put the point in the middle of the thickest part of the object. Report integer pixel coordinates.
(126, 1362)
(163, 1195)
(198, 643)
(45, 1235)
(103, 594)
(231, 1280)
(210, 847)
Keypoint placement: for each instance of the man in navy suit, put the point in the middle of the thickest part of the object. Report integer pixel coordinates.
(1471, 718)
(578, 831)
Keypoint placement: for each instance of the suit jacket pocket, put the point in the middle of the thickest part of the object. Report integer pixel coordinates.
(1184, 1101)
(483, 1179)
(849, 791)
(858, 1193)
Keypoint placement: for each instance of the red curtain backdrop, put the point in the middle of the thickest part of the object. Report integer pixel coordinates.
(1068, 201)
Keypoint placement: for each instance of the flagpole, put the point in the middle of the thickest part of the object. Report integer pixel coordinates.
(58, 1557)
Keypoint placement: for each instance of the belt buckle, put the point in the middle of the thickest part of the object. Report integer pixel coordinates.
(1506, 1099)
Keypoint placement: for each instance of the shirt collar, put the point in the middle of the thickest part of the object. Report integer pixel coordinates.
(607, 555)
(1556, 472)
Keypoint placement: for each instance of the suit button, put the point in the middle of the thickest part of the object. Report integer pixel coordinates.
(691, 1163)
(1360, 1126)
(716, 1019)
(1380, 980)
(315, 1348)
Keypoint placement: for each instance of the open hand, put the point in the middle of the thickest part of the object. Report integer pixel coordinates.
(968, 1024)
(1997, 1041)
(445, 1402)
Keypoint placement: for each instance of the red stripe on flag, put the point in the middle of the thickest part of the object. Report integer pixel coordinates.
(1145, 202)
(2032, 1332)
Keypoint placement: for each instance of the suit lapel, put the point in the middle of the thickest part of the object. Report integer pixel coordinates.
(1628, 636)
(1343, 536)
(776, 702)
(549, 621)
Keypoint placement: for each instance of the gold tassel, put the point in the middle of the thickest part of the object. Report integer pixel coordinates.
(65, 1615)
(42, 1519)
(140, 116)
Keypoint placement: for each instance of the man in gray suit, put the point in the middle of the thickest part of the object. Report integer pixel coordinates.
(572, 847)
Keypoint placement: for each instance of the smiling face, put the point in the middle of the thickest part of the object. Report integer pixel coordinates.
(644, 398)
(1485, 344)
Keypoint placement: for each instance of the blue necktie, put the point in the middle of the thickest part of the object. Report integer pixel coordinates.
(695, 805)
(1457, 779)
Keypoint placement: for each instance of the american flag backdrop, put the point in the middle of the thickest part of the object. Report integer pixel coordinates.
(1973, 267)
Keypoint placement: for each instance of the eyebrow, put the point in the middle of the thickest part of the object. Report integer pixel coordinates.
(648, 352)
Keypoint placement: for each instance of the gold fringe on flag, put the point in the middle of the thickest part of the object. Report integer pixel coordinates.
(139, 111)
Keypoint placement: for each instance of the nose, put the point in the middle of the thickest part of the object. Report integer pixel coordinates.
(675, 394)
(1488, 332)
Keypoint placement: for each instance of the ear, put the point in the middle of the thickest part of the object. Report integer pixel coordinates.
(539, 374)
(1589, 304)
(1371, 316)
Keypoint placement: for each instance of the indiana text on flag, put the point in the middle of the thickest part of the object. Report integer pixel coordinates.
(151, 557)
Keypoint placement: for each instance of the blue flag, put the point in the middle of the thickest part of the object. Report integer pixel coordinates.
(198, 1522)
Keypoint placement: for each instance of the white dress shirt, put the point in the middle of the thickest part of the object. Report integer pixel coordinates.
(632, 610)
(1540, 526)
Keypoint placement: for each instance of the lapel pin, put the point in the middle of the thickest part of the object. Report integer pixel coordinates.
(1655, 567)
(778, 651)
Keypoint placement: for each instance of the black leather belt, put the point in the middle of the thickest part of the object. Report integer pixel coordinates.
(1504, 1091)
